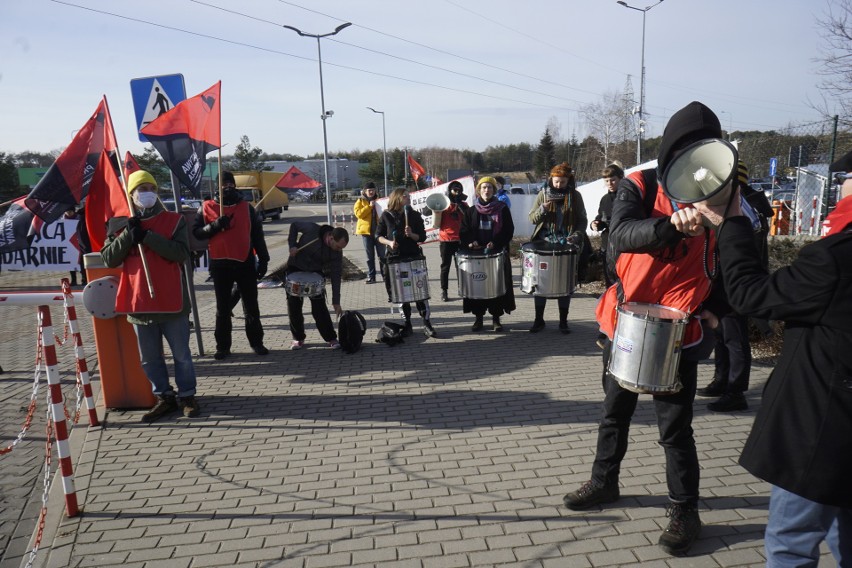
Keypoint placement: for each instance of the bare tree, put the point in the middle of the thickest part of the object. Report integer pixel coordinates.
(605, 121)
(836, 59)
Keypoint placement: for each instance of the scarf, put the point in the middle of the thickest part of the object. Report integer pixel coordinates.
(493, 209)
(840, 218)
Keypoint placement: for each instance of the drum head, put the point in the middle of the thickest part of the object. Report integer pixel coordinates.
(654, 312)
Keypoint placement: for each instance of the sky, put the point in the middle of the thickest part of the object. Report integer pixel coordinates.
(464, 74)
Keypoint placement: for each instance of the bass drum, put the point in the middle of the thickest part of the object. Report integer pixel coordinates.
(646, 349)
(481, 276)
(548, 270)
(409, 279)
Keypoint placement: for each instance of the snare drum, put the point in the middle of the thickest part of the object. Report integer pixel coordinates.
(548, 270)
(304, 284)
(481, 276)
(646, 350)
(409, 279)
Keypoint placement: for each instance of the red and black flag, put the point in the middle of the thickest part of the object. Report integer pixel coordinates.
(106, 199)
(67, 180)
(185, 134)
(18, 227)
(130, 164)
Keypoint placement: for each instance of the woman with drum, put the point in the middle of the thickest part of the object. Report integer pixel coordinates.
(401, 230)
(559, 216)
(488, 227)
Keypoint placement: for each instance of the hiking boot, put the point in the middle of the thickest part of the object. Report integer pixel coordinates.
(601, 341)
(729, 402)
(260, 350)
(165, 405)
(589, 494)
(221, 354)
(683, 529)
(407, 329)
(537, 326)
(714, 389)
(477, 324)
(334, 344)
(444, 296)
(190, 406)
(496, 325)
(296, 345)
(563, 327)
(428, 330)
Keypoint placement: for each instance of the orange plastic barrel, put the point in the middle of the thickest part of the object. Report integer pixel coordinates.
(123, 382)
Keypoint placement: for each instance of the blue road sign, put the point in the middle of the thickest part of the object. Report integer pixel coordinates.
(773, 166)
(152, 96)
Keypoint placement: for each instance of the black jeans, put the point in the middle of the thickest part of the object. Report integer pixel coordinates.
(674, 421)
(733, 353)
(448, 251)
(244, 275)
(321, 316)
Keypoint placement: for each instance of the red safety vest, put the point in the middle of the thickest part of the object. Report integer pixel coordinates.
(669, 277)
(132, 296)
(451, 220)
(235, 243)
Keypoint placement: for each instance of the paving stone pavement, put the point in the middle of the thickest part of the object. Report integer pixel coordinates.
(452, 451)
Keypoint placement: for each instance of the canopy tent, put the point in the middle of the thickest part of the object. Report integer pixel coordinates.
(296, 181)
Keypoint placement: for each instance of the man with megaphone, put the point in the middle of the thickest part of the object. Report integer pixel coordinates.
(659, 263)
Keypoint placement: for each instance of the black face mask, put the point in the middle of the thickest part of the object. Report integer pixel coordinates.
(456, 197)
(230, 195)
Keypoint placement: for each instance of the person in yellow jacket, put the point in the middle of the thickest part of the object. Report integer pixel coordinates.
(368, 221)
(165, 243)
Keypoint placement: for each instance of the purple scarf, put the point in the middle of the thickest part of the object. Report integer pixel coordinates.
(493, 209)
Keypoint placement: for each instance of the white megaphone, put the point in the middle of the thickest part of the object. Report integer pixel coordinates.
(703, 171)
(438, 203)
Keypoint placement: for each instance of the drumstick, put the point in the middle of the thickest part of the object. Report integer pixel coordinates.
(405, 209)
(306, 245)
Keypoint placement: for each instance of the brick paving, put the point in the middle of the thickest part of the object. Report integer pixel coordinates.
(444, 452)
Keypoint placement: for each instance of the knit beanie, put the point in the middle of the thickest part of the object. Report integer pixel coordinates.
(139, 177)
(487, 179)
(690, 124)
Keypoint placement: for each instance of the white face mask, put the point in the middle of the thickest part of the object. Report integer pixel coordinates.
(144, 199)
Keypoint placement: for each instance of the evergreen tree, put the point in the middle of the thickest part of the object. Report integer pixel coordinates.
(247, 158)
(545, 156)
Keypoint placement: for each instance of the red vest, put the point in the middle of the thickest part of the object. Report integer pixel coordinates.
(235, 243)
(132, 296)
(451, 223)
(673, 278)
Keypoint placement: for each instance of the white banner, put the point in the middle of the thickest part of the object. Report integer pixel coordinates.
(54, 249)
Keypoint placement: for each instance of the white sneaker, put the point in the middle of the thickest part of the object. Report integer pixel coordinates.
(297, 345)
(334, 344)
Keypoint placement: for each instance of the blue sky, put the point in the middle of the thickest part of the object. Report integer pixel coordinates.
(452, 73)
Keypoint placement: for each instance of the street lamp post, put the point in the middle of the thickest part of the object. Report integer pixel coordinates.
(325, 115)
(641, 128)
(384, 147)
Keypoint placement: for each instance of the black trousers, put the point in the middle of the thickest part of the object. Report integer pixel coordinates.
(244, 275)
(319, 310)
(448, 251)
(733, 353)
(674, 421)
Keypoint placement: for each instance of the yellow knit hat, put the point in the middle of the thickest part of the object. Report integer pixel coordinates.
(139, 177)
(487, 179)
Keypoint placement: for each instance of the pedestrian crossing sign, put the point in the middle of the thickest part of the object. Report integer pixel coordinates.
(153, 96)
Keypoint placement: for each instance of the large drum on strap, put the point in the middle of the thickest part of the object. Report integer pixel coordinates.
(409, 279)
(304, 284)
(646, 348)
(548, 270)
(481, 276)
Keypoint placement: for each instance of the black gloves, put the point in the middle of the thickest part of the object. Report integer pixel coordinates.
(219, 224)
(261, 269)
(137, 233)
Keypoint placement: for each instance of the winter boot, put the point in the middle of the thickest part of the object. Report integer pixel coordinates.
(190, 406)
(166, 404)
(477, 324)
(496, 325)
(563, 321)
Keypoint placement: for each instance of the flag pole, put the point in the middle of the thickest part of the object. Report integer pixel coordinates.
(221, 197)
(130, 207)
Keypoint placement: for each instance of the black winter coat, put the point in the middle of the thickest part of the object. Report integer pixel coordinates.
(801, 440)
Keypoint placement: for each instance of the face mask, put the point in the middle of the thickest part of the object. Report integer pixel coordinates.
(231, 195)
(144, 199)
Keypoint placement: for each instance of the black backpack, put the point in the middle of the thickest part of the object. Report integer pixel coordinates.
(350, 331)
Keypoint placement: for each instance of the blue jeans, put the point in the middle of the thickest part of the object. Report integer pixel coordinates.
(149, 338)
(797, 526)
(372, 247)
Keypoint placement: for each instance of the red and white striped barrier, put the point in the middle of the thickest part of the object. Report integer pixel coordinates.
(57, 410)
(813, 216)
(79, 353)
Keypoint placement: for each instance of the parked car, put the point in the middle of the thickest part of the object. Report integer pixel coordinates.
(186, 204)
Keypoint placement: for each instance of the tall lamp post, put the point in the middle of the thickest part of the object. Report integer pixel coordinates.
(641, 128)
(384, 147)
(325, 115)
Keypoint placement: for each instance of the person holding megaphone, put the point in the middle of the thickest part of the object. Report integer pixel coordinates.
(660, 263)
